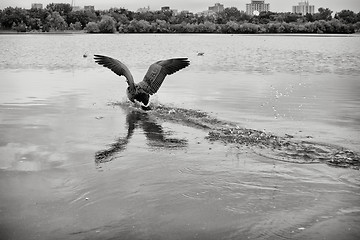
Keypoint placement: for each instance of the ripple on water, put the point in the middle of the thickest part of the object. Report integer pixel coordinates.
(350, 178)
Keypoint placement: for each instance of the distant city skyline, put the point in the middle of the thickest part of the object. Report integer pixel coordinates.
(191, 5)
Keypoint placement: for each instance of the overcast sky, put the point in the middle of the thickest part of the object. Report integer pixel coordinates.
(191, 5)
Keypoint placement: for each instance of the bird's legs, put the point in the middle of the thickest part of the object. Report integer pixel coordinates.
(146, 108)
(138, 104)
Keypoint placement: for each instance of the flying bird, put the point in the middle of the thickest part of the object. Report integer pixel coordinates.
(152, 80)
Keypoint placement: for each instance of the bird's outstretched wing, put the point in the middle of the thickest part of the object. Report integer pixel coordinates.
(117, 67)
(159, 70)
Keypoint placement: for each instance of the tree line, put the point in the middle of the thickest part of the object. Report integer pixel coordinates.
(60, 17)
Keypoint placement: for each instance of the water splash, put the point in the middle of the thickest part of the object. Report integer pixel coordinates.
(282, 148)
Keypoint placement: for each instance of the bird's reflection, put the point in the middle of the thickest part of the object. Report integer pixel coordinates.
(155, 135)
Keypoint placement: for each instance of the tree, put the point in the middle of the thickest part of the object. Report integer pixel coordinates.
(292, 17)
(55, 22)
(123, 19)
(357, 27)
(276, 28)
(38, 13)
(21, 27)
(346, 16)
(249, 28)
(162, 15)
(62, 8)
(178, 28)
(92, 27)
(264, 17)
(11, 16)
(323, 14)
(309, 17)
(229, 14)
(79, 16)
(75, 26)
(160, 26)
(210, 27)
(147, 16)
(107, 24)
(35, 24)
(141, 26)
(231, 27)
(119, 17)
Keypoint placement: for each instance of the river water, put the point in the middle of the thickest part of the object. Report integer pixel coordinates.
(78, 162)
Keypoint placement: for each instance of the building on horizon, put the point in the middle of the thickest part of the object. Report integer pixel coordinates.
(89, 8)
(166, 8)
(186, 13)
(36, 6)
(206, 13)
(143, 10)
(217, 8)
(256, 7)
(76, 8)
(304, 8)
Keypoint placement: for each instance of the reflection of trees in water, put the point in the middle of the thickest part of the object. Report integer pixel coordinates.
(155, 135)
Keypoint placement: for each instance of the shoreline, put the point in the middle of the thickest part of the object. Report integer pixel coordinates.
(66, 32)
(9, 32)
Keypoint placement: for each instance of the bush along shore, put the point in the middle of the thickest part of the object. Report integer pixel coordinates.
(60, 17)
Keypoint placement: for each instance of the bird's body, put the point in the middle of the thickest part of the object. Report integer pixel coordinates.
(152, 80)
(139, 95)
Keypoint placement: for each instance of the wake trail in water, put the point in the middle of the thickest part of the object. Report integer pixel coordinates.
(281, 148)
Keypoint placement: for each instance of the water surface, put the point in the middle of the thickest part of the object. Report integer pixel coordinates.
(162, 179)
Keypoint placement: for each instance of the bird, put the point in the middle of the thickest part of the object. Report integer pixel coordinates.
(153, 78)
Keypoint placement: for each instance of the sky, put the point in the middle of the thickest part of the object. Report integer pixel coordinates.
(191, 5)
